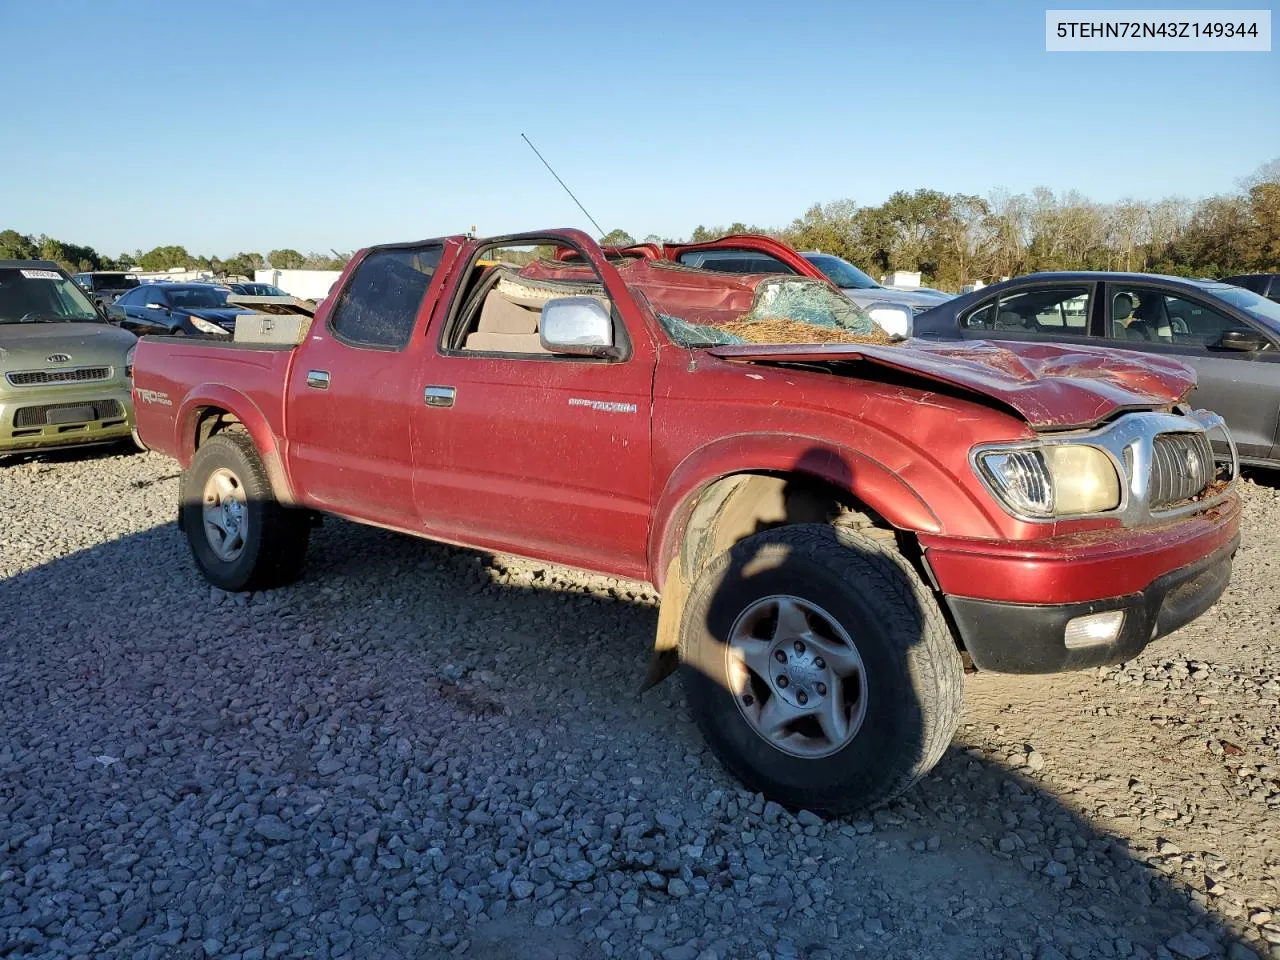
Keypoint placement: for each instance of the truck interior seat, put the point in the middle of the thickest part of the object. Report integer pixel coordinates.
(505, 327)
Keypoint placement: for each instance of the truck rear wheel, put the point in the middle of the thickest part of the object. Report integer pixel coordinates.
(819, 668)
(241, 536)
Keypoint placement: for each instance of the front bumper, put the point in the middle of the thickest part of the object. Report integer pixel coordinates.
(1030, 638)
(25, 417)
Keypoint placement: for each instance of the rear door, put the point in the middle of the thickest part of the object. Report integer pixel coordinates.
(352, 390)
(1052, 312)
(541, 455)
(1243, 387)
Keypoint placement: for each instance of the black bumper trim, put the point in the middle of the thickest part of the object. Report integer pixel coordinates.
(1024, 638)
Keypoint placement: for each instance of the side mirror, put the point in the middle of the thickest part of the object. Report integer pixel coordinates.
(115, 313)
(580, 326)
(893, 318)
(1243, 340)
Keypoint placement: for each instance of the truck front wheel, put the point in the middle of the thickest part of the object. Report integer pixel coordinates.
(241, 536)
(820, 668)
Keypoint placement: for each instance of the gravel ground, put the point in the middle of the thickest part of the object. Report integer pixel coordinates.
(420, 751)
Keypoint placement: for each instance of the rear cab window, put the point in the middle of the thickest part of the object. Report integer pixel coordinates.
(732, 260)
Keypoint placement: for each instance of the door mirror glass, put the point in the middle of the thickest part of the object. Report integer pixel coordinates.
(115, 313)
(1243, 340)
(579, 326)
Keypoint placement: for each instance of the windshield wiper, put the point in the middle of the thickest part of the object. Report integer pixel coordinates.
(35, 317)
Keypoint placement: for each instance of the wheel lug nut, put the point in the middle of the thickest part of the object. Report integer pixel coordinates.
(799, 648)
(748, 699)
(780, 657)
(821, 688)
(820, 663)
(784, 681)
(802, 698)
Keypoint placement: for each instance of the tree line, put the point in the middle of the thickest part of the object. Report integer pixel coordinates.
(955, 239)
(75, 258)
(952, 239)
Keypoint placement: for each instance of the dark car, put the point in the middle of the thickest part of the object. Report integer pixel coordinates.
(184, 309)
(1230, 335)
(257, 290)
(105, 286)
(1263, 284)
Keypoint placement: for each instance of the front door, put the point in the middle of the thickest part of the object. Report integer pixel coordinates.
(1239, 386)
(146, 310)
(533, 453)
(353, 391)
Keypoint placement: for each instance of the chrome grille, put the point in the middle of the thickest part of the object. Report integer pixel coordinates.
(41, 416)
(39, 378)
(1181, 467)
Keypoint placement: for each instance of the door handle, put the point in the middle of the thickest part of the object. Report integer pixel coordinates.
(318, 379)
(439, 396)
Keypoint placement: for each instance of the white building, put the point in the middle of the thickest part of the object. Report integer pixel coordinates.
(304, 284)
(902, 280)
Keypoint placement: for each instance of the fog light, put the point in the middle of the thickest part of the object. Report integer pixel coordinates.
(1094, 629)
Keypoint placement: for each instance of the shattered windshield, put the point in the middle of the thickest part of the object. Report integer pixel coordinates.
(783, 310)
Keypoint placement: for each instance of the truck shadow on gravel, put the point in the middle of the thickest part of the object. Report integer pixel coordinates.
(419, 750)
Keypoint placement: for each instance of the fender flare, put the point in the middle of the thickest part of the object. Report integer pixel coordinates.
(250, 415)
(870, 481)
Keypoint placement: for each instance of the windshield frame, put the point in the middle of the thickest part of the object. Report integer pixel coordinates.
(67, 293)
(834, 265)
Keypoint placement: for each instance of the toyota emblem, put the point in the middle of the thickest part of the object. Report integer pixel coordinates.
(58, 358)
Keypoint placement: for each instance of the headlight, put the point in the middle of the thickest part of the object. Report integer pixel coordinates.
(1056, 480)
(128, 361)
(204, 326)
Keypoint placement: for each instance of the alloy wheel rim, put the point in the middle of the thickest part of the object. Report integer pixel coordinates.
(226, 514)
(796, 676)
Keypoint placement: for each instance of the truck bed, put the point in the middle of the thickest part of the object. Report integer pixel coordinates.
(176, 376)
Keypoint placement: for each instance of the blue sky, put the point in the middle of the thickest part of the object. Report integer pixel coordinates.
(325, 124)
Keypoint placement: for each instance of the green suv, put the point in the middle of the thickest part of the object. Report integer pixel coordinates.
(65, 372)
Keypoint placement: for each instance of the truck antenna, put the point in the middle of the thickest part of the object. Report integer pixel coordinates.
(563, 184)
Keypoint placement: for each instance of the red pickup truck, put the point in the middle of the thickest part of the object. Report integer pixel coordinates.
(832, 514)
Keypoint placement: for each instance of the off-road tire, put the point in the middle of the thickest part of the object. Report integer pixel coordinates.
(276, 543)
(913, 670)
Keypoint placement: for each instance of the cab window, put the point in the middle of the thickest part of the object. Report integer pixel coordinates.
(733, 261)
(379, 305)
(1048, 312)
(1153, 315)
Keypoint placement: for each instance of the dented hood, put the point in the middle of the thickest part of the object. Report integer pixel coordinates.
(1052, 387)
